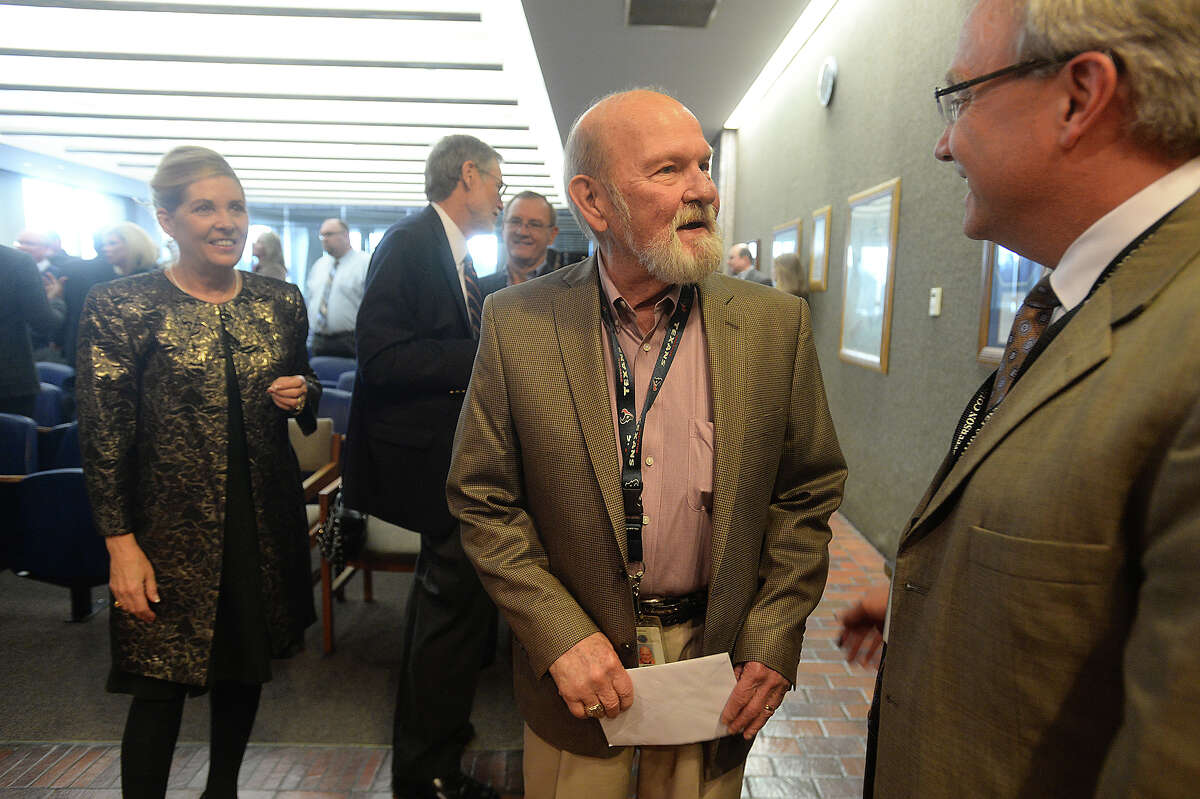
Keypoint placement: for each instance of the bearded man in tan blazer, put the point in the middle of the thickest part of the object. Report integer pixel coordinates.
(1044, 636)
(739, 464)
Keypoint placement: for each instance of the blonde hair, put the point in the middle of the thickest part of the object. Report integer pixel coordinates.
(790, 275)
(1156, 43)
(180, 168)
(273, 247)
(143, 252)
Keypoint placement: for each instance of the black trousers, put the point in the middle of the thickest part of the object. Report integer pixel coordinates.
(450, 623)
(337, 344)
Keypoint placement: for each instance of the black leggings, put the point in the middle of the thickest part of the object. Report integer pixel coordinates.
(153, 727)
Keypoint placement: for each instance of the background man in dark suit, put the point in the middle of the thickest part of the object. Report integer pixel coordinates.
(23, 304)
(530, 228)
(741, 265)
(1044, 609)
(733, 489)
(417, 331)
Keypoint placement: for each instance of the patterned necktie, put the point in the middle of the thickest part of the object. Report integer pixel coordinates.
(323, 308)
(1031, 321)
(474, 296)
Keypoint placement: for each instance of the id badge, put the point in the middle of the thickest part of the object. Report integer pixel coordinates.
(650, 642)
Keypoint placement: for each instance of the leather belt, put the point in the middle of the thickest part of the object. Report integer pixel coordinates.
(676, 609)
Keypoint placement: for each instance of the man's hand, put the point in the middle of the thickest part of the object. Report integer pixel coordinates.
(862, 626)
(53, 285)
(589, 673)
(759, 691)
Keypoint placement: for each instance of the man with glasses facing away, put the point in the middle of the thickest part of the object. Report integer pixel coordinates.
(418, 329)
(530, 228)
(1045, 603)
(335, 291)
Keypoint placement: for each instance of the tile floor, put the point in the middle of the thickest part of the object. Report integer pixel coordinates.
(813, 747)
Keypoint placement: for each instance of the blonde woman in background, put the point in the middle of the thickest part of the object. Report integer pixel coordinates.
(268, 252)
(789, 275)
(186, 379)
(129, 249)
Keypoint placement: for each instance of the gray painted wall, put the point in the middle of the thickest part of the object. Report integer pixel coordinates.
(796, 157)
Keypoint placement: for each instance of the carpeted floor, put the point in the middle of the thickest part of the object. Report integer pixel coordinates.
(52, 676)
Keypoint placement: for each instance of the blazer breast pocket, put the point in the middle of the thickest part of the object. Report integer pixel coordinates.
(1046, 608)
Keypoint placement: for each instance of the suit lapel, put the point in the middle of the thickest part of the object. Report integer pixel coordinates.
(580, 340)
(1082, 345)
(445, 263)
(727, 369)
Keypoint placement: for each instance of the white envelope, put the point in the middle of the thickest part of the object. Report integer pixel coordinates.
(675, 703)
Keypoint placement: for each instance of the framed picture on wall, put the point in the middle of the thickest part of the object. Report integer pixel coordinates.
(870, 272)
(818, 258)
(784, 239)
(1007, 278)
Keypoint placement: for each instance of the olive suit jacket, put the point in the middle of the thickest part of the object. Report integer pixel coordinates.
(535, 484)
(1045, 620)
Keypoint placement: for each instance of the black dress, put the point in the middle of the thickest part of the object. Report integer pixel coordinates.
(240, 650)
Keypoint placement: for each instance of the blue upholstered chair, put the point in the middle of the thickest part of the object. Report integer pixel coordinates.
(54, 540)
(48, 410)
(58, 447)
(18, 444)
(330, 367)
(335, 405)
(346, 381)
(54, 373)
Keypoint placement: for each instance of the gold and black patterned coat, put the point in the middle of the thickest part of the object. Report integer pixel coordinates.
(153, 423)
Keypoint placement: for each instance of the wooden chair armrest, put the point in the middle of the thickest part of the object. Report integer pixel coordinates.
(319, 479)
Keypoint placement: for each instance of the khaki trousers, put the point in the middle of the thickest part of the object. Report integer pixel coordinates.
(664, 772)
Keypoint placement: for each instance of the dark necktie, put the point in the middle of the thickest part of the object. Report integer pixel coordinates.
(474, 296)
(323, 308)
(1031, 321)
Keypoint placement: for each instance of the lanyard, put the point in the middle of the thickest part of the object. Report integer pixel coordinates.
(631, 427)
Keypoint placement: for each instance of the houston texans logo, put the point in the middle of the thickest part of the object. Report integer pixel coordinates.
(626, 416)
(657, 383)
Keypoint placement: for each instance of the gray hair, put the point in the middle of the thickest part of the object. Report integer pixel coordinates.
(583, 154)
(533, 195)
(444, 166)
(182, 167)
(1155, 42)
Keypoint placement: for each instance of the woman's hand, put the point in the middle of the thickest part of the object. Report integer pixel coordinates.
(289, 393)
(131, 577)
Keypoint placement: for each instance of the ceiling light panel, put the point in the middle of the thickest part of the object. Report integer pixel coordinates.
(310, 97)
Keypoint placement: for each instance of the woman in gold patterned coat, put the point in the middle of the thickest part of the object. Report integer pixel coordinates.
(186, 380)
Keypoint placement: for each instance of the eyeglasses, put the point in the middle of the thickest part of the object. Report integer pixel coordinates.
(534, 225)
(500, 184)
(952, 109)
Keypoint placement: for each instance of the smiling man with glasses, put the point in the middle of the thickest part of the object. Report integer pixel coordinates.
(1044, 609)
(530, 228)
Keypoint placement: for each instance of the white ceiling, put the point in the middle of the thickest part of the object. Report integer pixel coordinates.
(340, 106)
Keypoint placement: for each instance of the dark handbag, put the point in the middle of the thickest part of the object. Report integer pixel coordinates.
(342, 535)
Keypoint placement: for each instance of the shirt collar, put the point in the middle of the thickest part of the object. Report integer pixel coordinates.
(1089, 255)
(458, 242)
(621, 307)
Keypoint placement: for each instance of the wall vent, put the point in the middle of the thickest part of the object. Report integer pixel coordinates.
(670, 13)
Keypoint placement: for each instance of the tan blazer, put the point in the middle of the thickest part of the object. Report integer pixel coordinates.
(535, 483)
(1045, 629)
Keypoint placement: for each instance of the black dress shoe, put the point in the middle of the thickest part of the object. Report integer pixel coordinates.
(453, 786)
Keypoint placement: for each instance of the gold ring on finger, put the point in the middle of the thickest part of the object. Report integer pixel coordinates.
(116, 603)
(594, 711)
(769, 709)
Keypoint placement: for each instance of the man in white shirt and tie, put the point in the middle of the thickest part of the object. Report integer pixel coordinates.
(335, 290)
